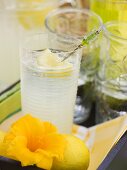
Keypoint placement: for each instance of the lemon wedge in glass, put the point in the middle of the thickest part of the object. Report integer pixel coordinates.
(52, 65)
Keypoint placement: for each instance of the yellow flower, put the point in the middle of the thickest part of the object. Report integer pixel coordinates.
(33, 142)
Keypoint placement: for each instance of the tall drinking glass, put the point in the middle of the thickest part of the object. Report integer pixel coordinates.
(18, 19)
(110, 9)
(112, 76)
(78, 23)
(49, 90)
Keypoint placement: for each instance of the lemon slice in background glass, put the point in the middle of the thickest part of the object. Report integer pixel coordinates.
(32, 13)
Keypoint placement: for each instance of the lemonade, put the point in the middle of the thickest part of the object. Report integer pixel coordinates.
(49, 87)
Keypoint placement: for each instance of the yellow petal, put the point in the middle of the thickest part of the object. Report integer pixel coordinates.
(3, 149)
(55, 144)
(3, 146)
(49, 128)
(26, 126)
(43, 159)
(2, 134)
(18, 150)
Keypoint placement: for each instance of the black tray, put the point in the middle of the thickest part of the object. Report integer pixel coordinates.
(9, 164)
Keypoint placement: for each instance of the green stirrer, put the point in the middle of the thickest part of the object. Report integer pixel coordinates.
(86, 40)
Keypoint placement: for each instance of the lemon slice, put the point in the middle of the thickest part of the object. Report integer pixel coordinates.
(53, 66)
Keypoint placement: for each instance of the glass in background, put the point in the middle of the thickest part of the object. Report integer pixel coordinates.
(78, 23)
(110, 9)
(49, 92)
(18, 19)
(112, 76)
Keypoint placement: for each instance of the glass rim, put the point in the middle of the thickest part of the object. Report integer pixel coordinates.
(60, 11)
(29, 37)
(30, 51)
(111, 35)
(37, 7)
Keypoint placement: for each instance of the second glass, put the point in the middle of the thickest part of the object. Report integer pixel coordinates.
(78, 23)
(48, 84)
(112, 75)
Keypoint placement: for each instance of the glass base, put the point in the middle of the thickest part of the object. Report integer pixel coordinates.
(81, 112)
(83, 102)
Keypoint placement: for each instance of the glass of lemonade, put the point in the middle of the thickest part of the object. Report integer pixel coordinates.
(49, 84)
(112, 75)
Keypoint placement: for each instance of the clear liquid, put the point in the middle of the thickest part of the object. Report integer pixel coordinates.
(50, 98)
